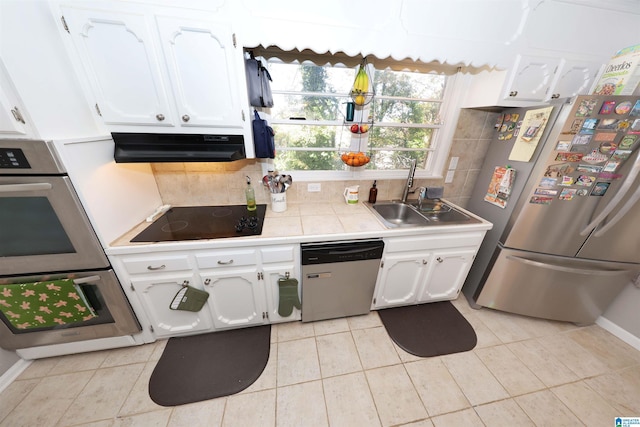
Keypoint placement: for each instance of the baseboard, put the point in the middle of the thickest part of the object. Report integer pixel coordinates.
(616, 330)
(12, 373)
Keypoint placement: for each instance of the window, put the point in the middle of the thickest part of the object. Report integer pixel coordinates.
(402, 122)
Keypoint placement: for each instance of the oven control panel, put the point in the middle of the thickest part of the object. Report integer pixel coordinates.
(13, 158)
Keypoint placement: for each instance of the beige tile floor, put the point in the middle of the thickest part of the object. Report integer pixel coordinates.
(348, 372)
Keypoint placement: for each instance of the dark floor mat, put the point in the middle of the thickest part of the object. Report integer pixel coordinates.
(202, 367)
(428, 330)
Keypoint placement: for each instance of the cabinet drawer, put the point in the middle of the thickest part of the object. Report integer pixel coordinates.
(150, 264)
(443, 241)
(219, 259)
(278, 254)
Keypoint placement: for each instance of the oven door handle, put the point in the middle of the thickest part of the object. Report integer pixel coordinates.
(16, 188)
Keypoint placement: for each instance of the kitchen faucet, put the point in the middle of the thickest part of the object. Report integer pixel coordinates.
(409, 184)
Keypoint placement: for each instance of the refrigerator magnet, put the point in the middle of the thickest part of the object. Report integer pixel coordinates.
(498, 124)
(563, 146)
(607, 107)
(605, 136)
(635, 111)
(608, 124)
(610, 166)
(569, 157)
(567, 180)
(600, 188)
(607, 147)
(582, 192)
(545, 192)
(623, 125)
(623, 108)
(620, 155)
(628, 141)
(635, 127)
(595, 157)
(581, 139)
(515, 117)
(567, 194)
(548, 182)
(609, 175)
(575, 126)
(586, 107)
(585, 180)
(589, 125)
(541, 200)
(589, 168)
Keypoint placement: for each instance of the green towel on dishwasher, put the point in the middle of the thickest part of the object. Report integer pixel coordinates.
(44, 304)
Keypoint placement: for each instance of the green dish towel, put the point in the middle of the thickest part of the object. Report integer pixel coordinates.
(288, 296)
(44, 304)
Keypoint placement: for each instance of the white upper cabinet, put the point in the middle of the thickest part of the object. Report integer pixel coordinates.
(533, 80)
(159, 68)
(14, 122)
(204, 73)
(118, 58)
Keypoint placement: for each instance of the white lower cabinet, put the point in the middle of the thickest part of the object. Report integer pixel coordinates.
(446, 274)
(400, 279)
(156, 293)
(272, 275)
(236, 297)
(424, 269)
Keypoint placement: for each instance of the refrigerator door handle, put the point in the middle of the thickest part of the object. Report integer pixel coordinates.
(622, 191)
(621, 213)
(565, 269)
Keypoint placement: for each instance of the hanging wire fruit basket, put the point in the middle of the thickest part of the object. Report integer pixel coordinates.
(362, 91)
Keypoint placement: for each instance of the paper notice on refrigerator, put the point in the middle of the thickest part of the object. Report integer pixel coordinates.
(533, 125)
(500, 186)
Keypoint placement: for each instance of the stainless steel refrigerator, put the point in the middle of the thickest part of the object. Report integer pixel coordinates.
(566, 239)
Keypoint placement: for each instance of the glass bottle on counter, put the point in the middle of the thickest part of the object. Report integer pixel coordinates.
(373, 193)
(251, 196)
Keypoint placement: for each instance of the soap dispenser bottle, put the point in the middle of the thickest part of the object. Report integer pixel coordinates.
(251, 196)
(373, 193)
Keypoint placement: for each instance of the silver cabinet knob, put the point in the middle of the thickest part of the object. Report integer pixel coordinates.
(152, 268)
(424, 261)
(160, 117)
(207, 282)
(513, 93)
(186, 118)
(439, 259)
(555, 96)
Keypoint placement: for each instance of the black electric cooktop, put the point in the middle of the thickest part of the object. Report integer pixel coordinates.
(204, 222)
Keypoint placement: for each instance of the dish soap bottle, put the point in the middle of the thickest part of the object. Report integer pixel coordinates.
(373, 193)
(251, 196)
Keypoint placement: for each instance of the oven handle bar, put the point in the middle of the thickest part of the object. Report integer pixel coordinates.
(86, 280)
(15, 188)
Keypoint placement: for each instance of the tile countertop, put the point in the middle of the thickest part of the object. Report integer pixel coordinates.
(303, 222)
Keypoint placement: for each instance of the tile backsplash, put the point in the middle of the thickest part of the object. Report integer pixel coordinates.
(184, 184)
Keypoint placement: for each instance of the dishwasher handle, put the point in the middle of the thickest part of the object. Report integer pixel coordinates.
(341, 252)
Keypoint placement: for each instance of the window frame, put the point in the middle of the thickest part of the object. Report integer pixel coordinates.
(440, 145)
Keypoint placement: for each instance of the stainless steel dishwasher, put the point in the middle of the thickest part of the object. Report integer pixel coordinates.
(338, 278)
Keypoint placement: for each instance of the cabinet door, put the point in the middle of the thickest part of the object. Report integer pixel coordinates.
(400, 279)
(531, 79)
(272, 273)
(119, 58)
(446, 274)
(202, 62)
(573, 78)
(236, 297)
(156, 294)
(13, 121)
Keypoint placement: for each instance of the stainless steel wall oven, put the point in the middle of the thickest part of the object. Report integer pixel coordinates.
(45, 235)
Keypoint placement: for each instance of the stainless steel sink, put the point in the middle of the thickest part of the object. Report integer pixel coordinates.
(397, 214)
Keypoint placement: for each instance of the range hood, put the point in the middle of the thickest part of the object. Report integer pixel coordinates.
(171, 147)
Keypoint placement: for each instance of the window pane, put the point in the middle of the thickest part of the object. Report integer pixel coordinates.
(406, 111)
(389, 160)
(409, 85)
(307, 107)
(387, 137)
(310, 78)
(289, 136)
